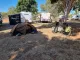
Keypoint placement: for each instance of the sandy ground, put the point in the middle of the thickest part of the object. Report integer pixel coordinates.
(48, 32)
(44, 45)
(5, 20)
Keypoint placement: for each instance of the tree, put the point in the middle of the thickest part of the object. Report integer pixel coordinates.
(76, 7)
(12, 10)
(54, 9)
(43, 8)
(4, 14)
(67, 6)
(27, 5)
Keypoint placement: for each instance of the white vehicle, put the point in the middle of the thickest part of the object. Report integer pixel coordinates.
(45, 17)
(26, 16)
(76, 17)
(0, 19)
(20, 18)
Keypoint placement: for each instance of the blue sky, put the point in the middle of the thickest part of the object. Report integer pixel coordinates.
(72, 12)
(5, 4)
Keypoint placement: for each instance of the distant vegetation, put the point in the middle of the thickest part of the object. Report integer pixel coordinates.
(54, 8)
(27, 5)
(22, 5)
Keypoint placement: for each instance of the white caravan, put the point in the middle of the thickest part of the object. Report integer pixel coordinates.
(46, 17)
(20, 18)
(26, 16)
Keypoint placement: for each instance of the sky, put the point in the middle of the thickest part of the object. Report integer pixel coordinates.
(72, 12)
(6, 4)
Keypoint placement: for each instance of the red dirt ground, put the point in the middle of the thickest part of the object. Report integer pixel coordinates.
(48, 32)
(5, 20)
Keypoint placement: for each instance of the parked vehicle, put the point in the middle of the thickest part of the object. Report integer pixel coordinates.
(76, 17)
(0, 19)
(20, 18)
(45, 17)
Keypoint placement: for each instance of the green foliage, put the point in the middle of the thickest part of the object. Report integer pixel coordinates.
(43, 8)
(12, 10)
(34, 16)
(4, 14)
(23, 5)
(77, 5)
(54, 9)
(27, 5)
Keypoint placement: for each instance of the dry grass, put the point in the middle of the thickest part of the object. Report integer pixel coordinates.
(38, 47)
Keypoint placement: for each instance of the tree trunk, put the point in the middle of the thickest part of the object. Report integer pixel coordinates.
(67, 6)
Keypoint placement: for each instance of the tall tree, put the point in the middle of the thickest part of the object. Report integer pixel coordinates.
(11, 10)
(54, 9)
(67, 6)
(43, 7)
(27, 5)
(4, 14)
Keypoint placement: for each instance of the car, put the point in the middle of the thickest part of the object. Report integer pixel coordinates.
(0, 19)
(76, 17)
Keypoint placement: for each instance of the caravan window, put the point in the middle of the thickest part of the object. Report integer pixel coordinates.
(26, 14)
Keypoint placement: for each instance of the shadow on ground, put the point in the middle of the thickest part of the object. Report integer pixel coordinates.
(5, 26)
(75, 27)
(38, 47)
(50, 25)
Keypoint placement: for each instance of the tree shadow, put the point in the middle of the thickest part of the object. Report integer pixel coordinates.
(55, 48)
(5, 26)
(3, 35)
(38, 47)
(75, 28)
(17, 46)
(49, 25)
